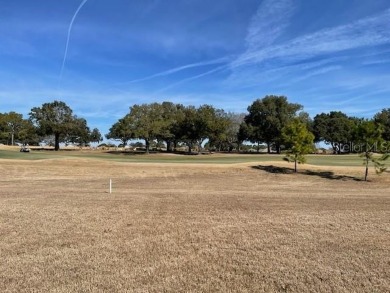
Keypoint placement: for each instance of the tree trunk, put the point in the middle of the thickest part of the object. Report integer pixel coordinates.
(295, 167)
(147, 145)
(268, 147)
(189, 148)
(366, 174)
(124, 141)
(12, 138)
(56, 141)
(278, 148)
(169, 146)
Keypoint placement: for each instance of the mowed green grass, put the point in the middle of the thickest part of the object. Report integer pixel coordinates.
(319, 160)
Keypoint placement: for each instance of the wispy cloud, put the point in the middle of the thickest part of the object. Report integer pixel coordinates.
(370, 31)
(269, 22)
(375, 62)
(284, 75)
(215, 70)
(312, 73)
(181, 68)
(363, 97)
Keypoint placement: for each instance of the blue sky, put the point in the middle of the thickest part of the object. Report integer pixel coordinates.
(101, 57)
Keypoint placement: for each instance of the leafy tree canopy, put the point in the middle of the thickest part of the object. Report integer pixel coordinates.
(335, 128)
(268, 116)
(383, 118)
(14, 128)
(370, 141)
(56, 118)
(122, 130)
(298, 140)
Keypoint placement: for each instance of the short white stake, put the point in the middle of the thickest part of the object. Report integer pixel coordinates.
(110, 186)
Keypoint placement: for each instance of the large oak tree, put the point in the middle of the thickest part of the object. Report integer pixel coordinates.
(122, 130)
(57, 119)
(334, 128)
(147, 122)
(268, 116)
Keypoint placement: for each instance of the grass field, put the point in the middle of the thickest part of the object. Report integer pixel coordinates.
(320, 160)
(208, 224)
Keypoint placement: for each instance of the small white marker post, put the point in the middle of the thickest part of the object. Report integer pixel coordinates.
(110, 185)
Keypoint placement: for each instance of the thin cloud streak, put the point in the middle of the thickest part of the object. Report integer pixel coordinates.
(370, 31)
(181, 68)
(218, 69)
(283, 75)
(375, 62)
(68, 38)
(312, 73)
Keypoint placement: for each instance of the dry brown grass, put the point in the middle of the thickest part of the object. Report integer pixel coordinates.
(190, 228)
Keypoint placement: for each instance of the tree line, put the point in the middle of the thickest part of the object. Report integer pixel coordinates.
(175, 124)
(52, 123)
(224, 131)
(271, 121)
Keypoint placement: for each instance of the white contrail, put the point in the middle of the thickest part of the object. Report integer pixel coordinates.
(69, 30)
(218, 69)
(177, 69)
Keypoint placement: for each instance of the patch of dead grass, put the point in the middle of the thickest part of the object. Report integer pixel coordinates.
(190, 228)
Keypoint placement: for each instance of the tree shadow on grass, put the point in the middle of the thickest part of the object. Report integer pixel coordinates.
(323, 174)
(274, 169)
(135, 153)
(132, 153)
